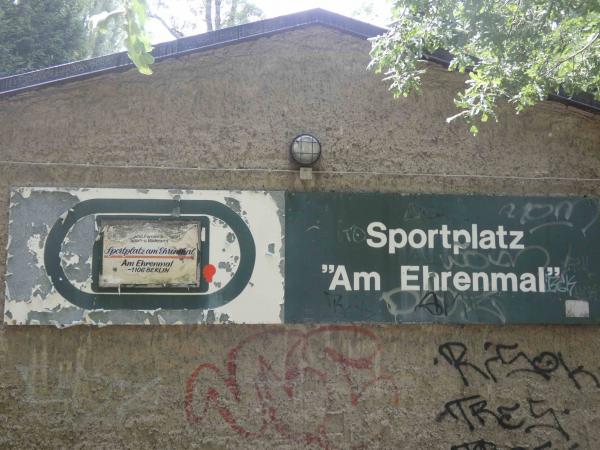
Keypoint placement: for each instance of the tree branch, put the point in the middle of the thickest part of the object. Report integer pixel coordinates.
(217, 14)
(232, 13)
(208, 14)
(174, 32)
(573, 55)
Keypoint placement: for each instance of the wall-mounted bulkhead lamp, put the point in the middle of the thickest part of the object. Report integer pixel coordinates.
(306, 151)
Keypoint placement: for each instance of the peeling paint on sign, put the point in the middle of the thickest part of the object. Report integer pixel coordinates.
(48, 281)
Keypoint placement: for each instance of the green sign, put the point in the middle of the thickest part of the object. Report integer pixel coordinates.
(369, 257)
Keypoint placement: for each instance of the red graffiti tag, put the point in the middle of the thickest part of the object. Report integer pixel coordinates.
(312, 364)
(209, 272)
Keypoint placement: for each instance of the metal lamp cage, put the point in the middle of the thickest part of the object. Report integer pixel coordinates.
(305, 149)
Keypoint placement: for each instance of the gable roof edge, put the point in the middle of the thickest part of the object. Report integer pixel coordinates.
(115, 62)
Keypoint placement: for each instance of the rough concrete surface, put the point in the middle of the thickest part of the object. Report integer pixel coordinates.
(237, 107)
(346, 386)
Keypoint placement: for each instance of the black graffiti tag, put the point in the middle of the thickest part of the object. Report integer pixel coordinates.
(545, 364)
(474, 412)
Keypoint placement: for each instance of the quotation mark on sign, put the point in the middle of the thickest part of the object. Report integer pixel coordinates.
(327, 268)
(552, 271)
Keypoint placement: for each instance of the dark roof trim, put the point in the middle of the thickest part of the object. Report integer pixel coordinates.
(580, 101)
(119, 61)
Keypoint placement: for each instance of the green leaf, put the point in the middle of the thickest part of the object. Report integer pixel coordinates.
(137, 42)
(514, 50)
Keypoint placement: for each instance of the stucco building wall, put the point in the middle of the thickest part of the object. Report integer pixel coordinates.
(223, 119)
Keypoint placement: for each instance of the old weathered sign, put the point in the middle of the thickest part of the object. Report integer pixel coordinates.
(149, 253)
(144, 256)
(441, 258)
(153, 256)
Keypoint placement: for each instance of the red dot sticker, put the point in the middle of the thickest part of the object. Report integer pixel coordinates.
(209, 272)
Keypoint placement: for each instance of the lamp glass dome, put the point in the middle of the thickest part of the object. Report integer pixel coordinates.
(306, 149)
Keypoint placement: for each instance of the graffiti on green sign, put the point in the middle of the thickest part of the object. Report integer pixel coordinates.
(442, 258)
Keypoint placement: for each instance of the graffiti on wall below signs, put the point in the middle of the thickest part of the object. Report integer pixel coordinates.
(323, 368)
